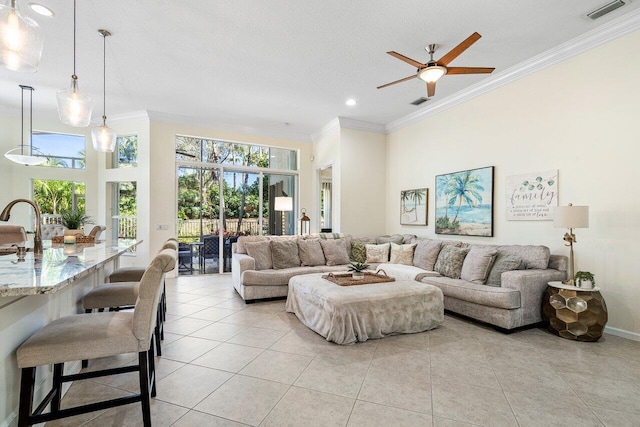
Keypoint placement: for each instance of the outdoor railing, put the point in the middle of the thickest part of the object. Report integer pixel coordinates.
(189, 229)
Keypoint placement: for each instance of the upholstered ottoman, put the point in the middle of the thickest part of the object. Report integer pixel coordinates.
(347, 314)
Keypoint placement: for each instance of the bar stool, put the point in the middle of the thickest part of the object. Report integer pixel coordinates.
(122, 295)
(90, 336)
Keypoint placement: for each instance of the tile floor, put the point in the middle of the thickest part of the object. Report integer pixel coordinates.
(230, 364)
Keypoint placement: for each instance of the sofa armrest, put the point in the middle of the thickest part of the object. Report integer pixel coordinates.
(239, 264)
(531, 284)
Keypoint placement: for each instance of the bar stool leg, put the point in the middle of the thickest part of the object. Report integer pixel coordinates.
(27, 384)
(152, 369)
(58, 369)
(143, 369)
(157, 333)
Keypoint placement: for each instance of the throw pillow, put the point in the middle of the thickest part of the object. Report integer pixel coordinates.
(261, 253)
(335, 251)
(536, 257)
(426, 254)
(503, 263)
(243, 240)
(450, 260)
(477, 264)
(396, 238)
(284, 254)
(378, 253)
(402, 254)
(359, 251)
(310, 252)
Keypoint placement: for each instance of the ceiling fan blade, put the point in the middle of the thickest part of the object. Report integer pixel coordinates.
(456, 51)
(407, 60)
(431, 89)
(469, 70)
(399, 81)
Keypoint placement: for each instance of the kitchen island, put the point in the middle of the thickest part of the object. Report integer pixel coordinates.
(35, 292)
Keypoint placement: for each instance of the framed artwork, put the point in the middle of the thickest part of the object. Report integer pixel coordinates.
(464, 202)
(413, 206)
(531, 196)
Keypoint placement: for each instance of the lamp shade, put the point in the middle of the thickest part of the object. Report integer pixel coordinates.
(103, 138)
(571, 217)
(74, 107)
(432, 73)
(284, 204)
(20, 40)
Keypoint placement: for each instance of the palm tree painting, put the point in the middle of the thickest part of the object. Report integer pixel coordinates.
(464, 202)
(413, 206)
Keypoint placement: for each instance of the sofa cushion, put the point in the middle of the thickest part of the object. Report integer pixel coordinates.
(477, 264)
(503, 262)
(242, 240)
(310, 252)
(359, 250)
(426, 254)
(402, 254)
(533, 257)
(479, 294)
(335, 251)
(275, 277)
(378, 253)
(284, 254)
(260, 251)
(450, 260)
(398, 239)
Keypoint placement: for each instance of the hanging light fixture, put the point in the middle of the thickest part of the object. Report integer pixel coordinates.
(19, 154)
(103, 137)
(20, 40)
(74, 108)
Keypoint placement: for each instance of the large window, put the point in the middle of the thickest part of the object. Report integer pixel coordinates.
(61, 150)
(126, 153)
(124, 210)
(55, 196)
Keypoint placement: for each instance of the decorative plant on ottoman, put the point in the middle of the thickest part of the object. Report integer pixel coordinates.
(74, 221)
(358, 269)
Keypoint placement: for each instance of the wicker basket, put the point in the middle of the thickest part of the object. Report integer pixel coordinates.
(79, 239)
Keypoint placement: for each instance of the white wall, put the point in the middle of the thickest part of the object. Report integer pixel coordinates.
(326, 152)
(576, 117)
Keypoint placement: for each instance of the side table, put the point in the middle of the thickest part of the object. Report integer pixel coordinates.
(574, 313)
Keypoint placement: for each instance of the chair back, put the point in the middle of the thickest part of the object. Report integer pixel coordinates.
(210, 246)
(97, 231)
(12, 234)
(149, 290)
(170, 244)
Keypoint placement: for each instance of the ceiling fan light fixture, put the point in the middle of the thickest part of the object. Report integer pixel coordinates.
(21, 40)
(432, 73)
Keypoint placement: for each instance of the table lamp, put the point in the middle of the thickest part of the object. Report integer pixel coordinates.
(571, 217)
(283, 204)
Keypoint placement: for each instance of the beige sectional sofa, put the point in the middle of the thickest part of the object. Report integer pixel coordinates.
(512, 300)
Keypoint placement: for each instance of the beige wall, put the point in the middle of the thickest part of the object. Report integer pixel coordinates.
(580, 119)
(326, 152)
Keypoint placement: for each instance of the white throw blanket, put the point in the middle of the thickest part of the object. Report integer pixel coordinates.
(348, 314)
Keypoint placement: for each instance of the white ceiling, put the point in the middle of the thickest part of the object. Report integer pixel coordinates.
(287, 65)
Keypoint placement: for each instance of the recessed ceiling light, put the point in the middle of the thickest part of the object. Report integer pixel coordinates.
(351, 102)
(41, 10)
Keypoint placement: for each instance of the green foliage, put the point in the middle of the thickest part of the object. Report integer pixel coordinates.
(445, 223)
(127, 151)
(74, 220)
(128, 205)
(55, 196)
(584, 275)
(358, 266)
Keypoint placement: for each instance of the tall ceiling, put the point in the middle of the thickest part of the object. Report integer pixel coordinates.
(283, 64)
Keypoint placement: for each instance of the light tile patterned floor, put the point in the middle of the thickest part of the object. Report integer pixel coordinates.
(230, 364)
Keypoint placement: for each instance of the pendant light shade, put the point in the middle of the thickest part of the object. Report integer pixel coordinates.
(23, 154)
(74, 107)
(103, 137)
(20, 40)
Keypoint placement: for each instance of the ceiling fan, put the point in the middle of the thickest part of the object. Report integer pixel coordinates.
(433, 70)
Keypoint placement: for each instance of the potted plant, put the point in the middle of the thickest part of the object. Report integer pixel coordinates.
(74, 221)
(358, 269)
(585, 279)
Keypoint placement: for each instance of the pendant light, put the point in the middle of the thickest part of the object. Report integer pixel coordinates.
(103, 137)
(74, 108)
(22, 154)
(20, 40)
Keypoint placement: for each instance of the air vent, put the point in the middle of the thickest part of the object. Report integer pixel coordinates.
(603, 10)
(420, 101)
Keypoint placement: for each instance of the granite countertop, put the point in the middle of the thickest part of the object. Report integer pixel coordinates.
(60, 265)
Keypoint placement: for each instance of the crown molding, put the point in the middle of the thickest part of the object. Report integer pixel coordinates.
(214, 124)
(603, 34)
(134, 115)
(348, 123)
(332, 125)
